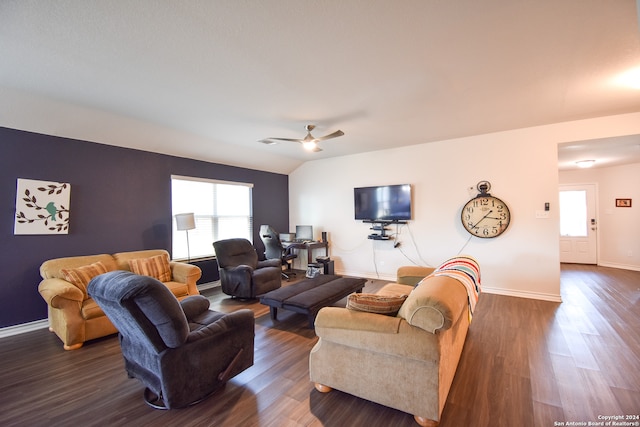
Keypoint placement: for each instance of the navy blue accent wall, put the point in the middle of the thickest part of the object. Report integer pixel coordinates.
(120, 201)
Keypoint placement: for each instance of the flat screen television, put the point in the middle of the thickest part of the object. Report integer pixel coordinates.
(383, 203)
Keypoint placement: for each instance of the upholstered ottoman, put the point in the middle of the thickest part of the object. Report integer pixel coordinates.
(309, 295)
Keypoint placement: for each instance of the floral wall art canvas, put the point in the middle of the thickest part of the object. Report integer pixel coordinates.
(42, 207)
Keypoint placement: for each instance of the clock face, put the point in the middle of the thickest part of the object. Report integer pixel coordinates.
(485, 216)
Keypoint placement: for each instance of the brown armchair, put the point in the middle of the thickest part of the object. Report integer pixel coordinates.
(242, 274)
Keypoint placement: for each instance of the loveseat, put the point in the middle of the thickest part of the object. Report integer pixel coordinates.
(407, 360)
(75, 317)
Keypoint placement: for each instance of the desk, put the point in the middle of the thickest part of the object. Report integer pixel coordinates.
(309, 247)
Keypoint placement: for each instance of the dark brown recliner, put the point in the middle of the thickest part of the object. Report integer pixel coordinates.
(242, 274)
(180, 350)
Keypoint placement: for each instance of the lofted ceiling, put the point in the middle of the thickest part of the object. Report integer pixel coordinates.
(209, 79)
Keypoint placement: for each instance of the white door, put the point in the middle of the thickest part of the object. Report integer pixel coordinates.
(578, 224)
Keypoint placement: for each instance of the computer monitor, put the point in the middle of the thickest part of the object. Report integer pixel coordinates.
(287, 237)
(304, 232)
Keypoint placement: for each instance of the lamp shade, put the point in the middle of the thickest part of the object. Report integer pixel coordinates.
(185, 221)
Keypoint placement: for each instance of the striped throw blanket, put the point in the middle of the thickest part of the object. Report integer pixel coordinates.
(466, 270)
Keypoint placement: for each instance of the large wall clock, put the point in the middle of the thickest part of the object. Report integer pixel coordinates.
(485, 216)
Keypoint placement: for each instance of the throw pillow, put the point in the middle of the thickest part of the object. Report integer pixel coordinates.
(157, 267)
(81, 276)
(374, 303)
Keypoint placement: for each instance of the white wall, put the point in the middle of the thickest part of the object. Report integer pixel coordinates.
(522, 168)
(618, 228)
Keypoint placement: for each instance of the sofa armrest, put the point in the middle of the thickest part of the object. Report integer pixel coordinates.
(239, 319)
(53, 289)
(412, 274)
(237, 276)
(186, 273)
(435, 304)
(376, 333)
(194, 305)
(274, 262)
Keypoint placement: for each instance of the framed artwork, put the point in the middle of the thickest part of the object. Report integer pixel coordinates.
(623, 203)
(42, 207)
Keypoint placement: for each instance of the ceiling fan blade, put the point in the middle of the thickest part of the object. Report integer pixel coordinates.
(331, 135)
(287, 139)
(268, 141)
(317, 149)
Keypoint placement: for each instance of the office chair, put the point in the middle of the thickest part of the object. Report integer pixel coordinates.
(273, 249)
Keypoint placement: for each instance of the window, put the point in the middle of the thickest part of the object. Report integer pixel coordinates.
(222, 210)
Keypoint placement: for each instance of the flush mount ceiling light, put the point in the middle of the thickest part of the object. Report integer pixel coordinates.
(630, 78)
(585, 163)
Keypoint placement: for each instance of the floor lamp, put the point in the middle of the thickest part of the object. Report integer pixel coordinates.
(186, 222)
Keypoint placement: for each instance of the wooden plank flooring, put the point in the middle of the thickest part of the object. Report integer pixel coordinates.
(525, 363)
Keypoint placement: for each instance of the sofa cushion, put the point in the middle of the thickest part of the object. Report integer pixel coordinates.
(374, 303)
(178, 289)
(395, 289)
(81, 276)
(412, 274)
(90, 309)
(156, 266)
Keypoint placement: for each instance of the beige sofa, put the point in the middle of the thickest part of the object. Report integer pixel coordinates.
(74, 316)
(406, 361)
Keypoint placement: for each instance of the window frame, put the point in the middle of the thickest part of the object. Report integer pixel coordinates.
(178, 239)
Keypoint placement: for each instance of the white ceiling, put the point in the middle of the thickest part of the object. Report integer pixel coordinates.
(208, 79)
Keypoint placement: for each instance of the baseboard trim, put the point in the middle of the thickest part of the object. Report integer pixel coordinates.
(370, 276)
(522, 294)
(44, 323)
(209, 285)
(23, 328)
(489, 290)
(620, 266)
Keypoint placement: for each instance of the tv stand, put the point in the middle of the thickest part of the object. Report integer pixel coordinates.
(378, 237)
(381, 226)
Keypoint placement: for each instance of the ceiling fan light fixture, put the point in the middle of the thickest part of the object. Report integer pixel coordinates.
(309, 142)
(585, 163)
(310, 145)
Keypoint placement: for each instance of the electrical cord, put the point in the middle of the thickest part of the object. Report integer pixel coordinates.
(375, 264)
(465, 244)
(415, 245)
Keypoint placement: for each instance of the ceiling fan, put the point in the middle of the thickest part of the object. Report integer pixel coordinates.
(309, 142)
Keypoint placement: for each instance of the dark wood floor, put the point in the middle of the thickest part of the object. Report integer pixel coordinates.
(525, 363)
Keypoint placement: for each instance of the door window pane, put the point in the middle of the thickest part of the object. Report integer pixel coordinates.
(573, 213)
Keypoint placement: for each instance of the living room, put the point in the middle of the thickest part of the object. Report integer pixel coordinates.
(121, 199)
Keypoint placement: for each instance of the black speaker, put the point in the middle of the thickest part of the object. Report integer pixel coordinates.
(324, 236)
